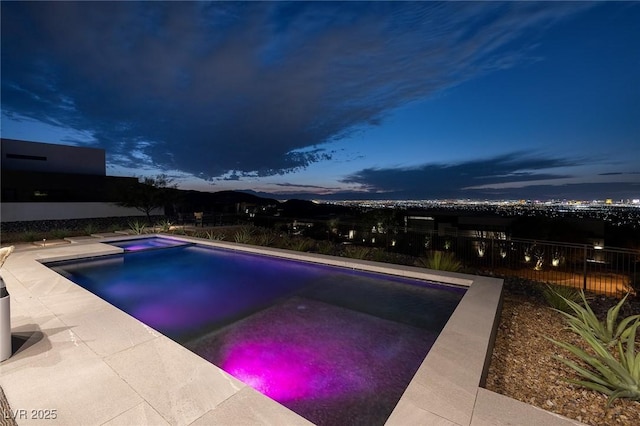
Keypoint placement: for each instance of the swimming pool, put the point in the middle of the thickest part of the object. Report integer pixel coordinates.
(334, 345)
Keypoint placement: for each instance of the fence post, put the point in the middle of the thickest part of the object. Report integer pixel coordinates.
(584, 269)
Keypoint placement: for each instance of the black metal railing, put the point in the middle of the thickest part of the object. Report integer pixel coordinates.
(604, 270)
(594, 268)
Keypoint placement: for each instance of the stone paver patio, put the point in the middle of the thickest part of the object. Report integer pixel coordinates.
(90, 363)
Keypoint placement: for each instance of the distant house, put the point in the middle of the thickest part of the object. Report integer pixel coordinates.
(42, 181)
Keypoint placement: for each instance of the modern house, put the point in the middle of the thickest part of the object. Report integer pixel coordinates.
(42, 181)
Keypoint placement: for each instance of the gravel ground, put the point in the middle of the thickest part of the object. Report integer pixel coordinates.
(523, 367)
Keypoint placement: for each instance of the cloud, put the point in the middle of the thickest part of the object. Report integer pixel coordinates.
(460, 180)
(247, 88)
(293, 185)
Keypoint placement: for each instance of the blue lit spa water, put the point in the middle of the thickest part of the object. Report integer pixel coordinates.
(334, 345)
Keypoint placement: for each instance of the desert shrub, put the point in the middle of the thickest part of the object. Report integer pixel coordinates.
(609, 331)
(613, 370)
(267, 237)
(114, 228)
(244, 235)
(215, 236)
(441, 261)
(30, 236)
(391, 257)
(59, 234)
(89, 229)
(137, 227)
(557, 295)
(163, 225)
(357, 252)
(300, 244)
(199, 234)
(326, 247)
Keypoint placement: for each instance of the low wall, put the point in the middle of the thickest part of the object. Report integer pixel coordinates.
(24, 212)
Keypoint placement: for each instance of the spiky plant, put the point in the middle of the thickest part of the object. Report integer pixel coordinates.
(244, 235)
(556, 296)
(164, 225)
(137, 227)
(215, 236)
(617, 377)
(357, 252)
(89, 229)
(60, 233)
(325, 247)
(300, 244)
(441, 261)
(267, 237)
(609, 332)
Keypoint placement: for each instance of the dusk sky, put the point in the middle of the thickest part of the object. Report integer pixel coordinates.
(342, 100)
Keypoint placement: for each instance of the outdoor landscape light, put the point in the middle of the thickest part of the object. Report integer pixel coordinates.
(481, 249)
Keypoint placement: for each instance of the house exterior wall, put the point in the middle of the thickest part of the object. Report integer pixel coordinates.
(42, 181)
(25, 212)
(50, 158)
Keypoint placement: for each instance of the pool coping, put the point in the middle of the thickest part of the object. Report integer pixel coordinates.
(94, 364)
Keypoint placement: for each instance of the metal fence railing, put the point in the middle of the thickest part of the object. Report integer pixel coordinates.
(597, 269)
(604, 270)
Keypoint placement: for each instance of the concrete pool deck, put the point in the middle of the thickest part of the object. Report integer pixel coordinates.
(87, 362)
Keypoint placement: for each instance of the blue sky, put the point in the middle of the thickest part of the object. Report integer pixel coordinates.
(343, 100)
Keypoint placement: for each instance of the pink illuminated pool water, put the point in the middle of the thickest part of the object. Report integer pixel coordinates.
(336, 346)
(138, 244)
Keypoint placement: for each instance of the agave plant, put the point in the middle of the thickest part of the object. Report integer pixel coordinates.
(617, 377)
(267, 237)
(90, 229)
(557, 295)
(325, 247)
(215, 236)
(300, 244)
(60, 233)
(357, 252)
(441, 261)
(164, 225)
(137, 227)
(244, 235)
(608, 332)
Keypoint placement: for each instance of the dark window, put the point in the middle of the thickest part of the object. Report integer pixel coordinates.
(27, 157)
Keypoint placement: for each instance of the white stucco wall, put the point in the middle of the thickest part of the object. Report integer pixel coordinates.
(19, 212)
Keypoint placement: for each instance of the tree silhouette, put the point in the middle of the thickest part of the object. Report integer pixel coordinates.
(148, 193)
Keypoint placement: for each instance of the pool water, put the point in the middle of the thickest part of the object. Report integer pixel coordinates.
(147, 243)
(336, 346)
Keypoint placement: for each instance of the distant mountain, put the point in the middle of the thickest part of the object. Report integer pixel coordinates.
(268, 195)
(310, 209)
(241, 197)
(206, 201)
